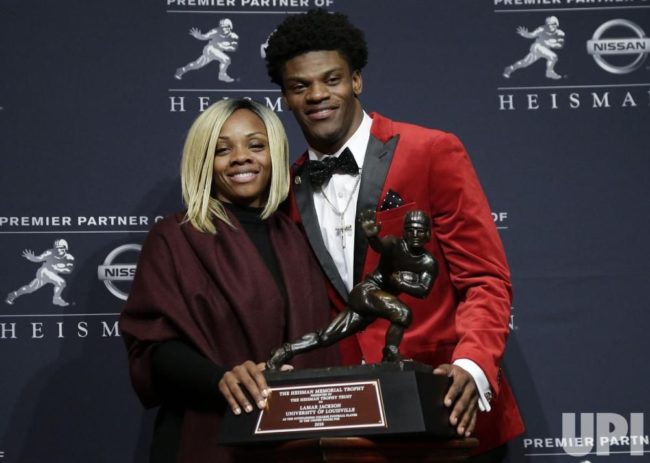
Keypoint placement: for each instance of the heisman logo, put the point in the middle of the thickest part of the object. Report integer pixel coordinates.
(637, 45)
(111, 272)
(547, 38)
(220, 41)
(55, 262)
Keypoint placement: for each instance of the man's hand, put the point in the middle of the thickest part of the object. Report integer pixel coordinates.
(250, 376)
(462, 396)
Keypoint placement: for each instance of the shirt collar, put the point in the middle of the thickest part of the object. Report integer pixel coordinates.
(357, 143)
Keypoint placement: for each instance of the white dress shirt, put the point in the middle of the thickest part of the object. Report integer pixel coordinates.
(342, 191)
(337, 228)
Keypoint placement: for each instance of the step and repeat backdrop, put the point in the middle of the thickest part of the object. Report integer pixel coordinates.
(551, 98)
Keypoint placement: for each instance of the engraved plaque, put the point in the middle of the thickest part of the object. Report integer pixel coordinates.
(320, 407)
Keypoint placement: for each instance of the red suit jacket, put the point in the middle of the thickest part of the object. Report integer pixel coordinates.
(466, 314)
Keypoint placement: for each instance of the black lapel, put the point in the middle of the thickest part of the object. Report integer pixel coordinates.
(373, 176)
(305, 201)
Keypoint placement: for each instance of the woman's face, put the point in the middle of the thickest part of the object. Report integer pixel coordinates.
(242, 161)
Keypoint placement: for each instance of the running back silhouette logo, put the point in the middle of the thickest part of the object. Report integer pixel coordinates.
(548, 37)
(220, 41)
(55, 262)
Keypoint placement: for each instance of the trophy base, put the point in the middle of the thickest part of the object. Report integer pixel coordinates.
(384, 399)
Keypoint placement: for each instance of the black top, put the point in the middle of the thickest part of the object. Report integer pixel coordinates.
(258, 231)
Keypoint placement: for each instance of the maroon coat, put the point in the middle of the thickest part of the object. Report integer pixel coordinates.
(215, 293)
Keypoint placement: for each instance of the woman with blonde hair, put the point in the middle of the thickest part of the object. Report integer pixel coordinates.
(221, 284)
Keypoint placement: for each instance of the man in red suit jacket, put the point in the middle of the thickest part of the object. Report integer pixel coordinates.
(462, 325)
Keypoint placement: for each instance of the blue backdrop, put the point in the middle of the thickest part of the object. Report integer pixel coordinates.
(92, 124)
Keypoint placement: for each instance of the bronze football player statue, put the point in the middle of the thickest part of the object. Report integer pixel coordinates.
(405, 266)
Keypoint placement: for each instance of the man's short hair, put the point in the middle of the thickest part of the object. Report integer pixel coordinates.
(316, 30)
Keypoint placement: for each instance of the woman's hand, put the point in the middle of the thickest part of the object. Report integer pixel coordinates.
(249, 375)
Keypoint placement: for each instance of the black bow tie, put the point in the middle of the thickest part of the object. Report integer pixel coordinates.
(321, 171)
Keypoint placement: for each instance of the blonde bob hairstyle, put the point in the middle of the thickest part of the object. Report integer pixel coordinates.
(198, 159)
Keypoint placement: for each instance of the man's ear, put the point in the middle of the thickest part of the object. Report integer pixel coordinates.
(285, 101)
(357, 83)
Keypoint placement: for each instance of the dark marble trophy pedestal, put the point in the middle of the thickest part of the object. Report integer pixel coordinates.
(388, 400)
